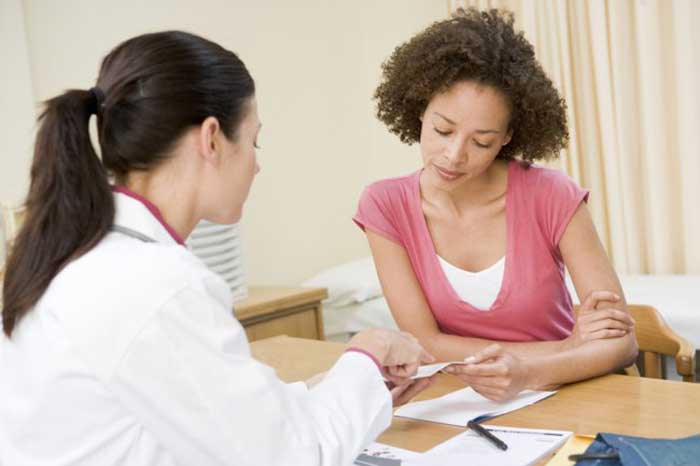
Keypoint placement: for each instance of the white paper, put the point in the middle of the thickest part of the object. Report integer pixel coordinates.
(525, 447)
(461, 406)
(431, 369)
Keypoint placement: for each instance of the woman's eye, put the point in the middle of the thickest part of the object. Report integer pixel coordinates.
(442, 133)
(483, 146)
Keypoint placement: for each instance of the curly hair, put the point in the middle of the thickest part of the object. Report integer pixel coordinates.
(485, 48)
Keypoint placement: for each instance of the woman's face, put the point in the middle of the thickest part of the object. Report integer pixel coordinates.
(463, 130)
(238, 167)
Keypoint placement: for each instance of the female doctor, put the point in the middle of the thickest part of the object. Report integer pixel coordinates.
(119, 345)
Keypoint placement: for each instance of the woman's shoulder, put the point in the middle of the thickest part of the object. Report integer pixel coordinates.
(103, 300)
(393, 185)
(543, 181)
(551, 196)
(395, 192)
(147, 272)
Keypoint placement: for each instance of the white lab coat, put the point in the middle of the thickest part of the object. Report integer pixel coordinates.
(133, 357)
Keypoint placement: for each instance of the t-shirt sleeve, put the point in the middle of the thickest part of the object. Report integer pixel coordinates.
(561, 196)
(375, 212)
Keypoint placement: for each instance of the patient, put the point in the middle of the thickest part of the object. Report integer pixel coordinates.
(471, 249)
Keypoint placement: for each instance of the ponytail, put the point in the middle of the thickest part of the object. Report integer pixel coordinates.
(69, 206)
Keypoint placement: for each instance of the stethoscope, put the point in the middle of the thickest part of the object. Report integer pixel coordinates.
(132, 233)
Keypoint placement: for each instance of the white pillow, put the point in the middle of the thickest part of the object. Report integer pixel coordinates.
(349, 283)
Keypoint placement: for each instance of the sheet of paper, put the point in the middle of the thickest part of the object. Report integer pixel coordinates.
(431, 369)
(461, 406)
(380, 454)
(525, 447)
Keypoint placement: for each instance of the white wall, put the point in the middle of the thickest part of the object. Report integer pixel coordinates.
(315, 62)
(16, 107)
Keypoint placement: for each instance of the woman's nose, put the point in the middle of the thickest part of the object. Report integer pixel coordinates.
(455, 152)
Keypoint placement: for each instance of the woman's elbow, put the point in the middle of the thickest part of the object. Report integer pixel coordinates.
(631, 349)
(618, 352)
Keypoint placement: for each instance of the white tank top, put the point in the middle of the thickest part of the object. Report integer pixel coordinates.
(480, 289)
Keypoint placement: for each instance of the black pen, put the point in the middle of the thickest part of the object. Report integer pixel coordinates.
(476, 427)
(595, 456)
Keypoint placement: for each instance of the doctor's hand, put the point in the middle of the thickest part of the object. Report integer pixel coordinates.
(399, 353)
(595, 324)
(494, 373)
(402, 394)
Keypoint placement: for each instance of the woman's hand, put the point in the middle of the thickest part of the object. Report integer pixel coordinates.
(494, 373)
(402, 394)
(595, 324)
(398, 352)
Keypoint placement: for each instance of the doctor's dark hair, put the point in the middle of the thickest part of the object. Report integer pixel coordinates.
(149, 91)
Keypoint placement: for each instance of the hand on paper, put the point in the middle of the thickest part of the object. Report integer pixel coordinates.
(494, 373)
(595, 324)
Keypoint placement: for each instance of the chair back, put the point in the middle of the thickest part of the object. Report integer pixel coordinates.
(655, 338)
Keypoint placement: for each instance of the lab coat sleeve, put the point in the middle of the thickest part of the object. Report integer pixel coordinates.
(189, 379)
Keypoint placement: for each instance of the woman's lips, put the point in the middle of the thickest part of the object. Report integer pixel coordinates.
(446, 174)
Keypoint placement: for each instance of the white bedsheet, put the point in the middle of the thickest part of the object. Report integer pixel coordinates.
(342, 321)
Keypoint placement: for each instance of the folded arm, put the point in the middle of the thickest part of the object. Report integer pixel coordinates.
(547, 363)
(590, 270)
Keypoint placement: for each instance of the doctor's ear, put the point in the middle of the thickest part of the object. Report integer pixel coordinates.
(209, 134)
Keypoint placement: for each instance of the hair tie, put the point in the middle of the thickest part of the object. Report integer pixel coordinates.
(98, 98)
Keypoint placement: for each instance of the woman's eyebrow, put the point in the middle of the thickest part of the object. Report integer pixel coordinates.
(480, 131)
(445, 118)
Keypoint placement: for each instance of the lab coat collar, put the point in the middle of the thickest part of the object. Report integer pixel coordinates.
(138, 213)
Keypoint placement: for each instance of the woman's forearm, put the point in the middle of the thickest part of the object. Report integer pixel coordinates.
(549, 363)
(591, 359)
(447, 347)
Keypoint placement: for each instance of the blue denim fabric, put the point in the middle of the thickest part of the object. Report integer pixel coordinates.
(639, 451)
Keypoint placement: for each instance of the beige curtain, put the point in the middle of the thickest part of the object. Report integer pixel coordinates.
(630, 73)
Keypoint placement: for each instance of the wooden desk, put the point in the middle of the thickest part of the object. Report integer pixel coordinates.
(612, 403)
(271, 311)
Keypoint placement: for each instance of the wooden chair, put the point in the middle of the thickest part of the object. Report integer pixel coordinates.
(656, 338)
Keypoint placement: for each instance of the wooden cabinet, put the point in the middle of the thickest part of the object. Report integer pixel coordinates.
(271, 311)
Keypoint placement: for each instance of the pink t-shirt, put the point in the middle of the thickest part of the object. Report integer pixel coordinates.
(533, 303)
